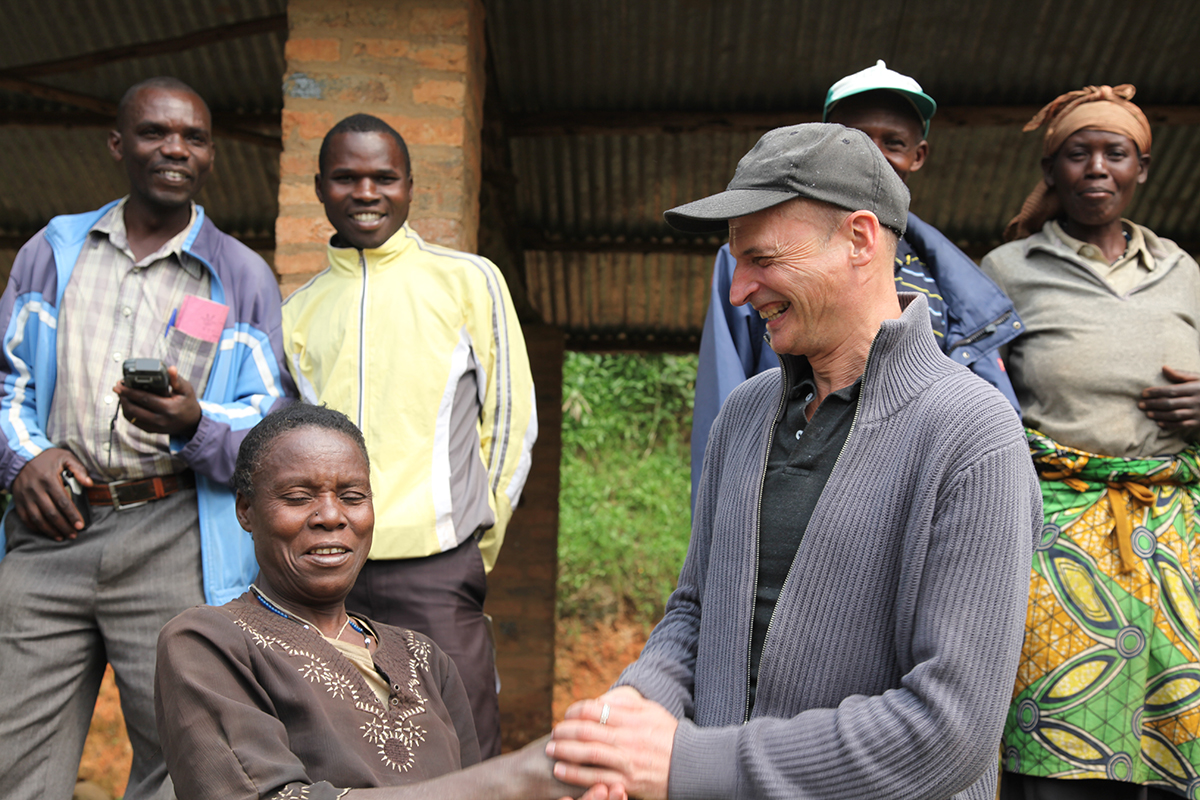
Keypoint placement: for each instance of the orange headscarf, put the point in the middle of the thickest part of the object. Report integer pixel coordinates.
(1106, 108)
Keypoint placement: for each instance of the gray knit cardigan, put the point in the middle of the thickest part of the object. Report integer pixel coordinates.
(890, 660)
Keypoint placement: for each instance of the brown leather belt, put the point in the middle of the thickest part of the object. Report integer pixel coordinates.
(130, 494)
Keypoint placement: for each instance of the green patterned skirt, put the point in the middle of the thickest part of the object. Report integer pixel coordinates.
(1109, 680)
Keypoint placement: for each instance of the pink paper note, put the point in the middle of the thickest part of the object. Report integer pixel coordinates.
(201, 318)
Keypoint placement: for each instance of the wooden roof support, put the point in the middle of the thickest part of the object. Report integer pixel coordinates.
(14, 79)
(109, 109)
(634, 123)
(41, 118)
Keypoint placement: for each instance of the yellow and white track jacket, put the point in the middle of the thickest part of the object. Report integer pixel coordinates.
(420, 346)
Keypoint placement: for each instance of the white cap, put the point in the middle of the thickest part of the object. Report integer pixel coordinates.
(880, 77)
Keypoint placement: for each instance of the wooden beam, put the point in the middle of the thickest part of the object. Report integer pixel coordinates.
(635, 341)
(43, 92)
(634, 123)
(221, 33)
(108, 109)
(535, 240)
(58, 118)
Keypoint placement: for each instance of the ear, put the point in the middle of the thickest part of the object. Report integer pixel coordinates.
(1143, 167)
(865, 235)
(317, 188)
(1048, 171)
(241, 507)
(114, 145)
(919, 159)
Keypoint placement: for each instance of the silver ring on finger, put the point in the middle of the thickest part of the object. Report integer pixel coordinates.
(604, 711)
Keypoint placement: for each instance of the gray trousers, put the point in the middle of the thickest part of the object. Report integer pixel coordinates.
(67, 608)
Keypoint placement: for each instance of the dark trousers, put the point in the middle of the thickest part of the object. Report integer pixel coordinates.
(1014, 786)
(442, 597)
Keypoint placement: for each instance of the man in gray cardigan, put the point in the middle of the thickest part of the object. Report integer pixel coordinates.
(850, 613)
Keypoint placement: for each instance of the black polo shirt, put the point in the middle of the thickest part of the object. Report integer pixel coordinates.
(803, 453)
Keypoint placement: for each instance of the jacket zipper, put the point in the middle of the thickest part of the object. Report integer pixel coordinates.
(982, 333)
(362, 336)
(853, 422)
(762, 482)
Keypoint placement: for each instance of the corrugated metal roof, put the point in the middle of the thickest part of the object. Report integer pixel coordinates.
(599, 188)
(49, 169)
(242, 74)
(618, 300)
(604, 193)
(780, 56)
(775, 55)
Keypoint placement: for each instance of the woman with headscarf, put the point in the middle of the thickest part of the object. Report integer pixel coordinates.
(1108, 376)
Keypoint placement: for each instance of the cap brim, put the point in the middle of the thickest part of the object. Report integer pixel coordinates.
(923, 104)
(712, 214)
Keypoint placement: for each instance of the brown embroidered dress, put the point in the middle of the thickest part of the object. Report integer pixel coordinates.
(253, 705)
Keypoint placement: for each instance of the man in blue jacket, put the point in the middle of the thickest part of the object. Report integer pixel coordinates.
(90, 577)
(971, 316)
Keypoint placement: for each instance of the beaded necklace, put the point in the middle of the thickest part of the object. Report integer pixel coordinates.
(271, 606)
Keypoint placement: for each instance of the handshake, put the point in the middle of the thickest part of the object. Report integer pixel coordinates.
(619, 745)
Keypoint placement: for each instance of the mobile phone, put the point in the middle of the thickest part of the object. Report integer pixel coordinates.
(78, 497)
(147, 374)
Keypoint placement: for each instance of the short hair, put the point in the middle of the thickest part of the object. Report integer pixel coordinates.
(157, 82)
(259, 441)
(362, 123)
(829, 217)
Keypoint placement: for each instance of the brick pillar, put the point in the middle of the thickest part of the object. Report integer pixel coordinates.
(522, 587)
(417, 64)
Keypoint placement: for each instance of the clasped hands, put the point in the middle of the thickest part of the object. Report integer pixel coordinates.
(622, 752)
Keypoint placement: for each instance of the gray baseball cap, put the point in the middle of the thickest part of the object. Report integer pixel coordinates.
(819, 161)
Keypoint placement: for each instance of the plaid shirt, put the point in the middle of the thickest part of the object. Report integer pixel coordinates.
(116, 307)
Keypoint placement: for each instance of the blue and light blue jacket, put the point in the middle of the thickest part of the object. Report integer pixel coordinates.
(247, 378)
(979, 320)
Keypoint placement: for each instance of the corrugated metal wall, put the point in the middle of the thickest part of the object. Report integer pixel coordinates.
(779, 56)
(50, 169)
(588, 202)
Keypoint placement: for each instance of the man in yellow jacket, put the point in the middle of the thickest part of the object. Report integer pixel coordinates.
(421, 347)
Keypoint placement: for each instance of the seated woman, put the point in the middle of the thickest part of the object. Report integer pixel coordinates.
(280, 693)
(1108, 375)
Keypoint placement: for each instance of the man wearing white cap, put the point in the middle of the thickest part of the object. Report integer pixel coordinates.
(850, 613)
(970, 315)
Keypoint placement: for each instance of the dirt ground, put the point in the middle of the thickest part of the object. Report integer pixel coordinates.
(588, 660)
(107, 755)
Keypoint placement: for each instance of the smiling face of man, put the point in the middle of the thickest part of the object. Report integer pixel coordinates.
(893, 125)
(792, 269)
(365, 187)
(164, 140)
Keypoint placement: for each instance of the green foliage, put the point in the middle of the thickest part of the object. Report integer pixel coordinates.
(624, 515)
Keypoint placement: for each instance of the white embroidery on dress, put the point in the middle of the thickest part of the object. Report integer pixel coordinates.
(374, 731)
(420, 650)
(397, 740)
(293, 791)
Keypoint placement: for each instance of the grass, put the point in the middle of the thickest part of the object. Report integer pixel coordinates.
(624, 505)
